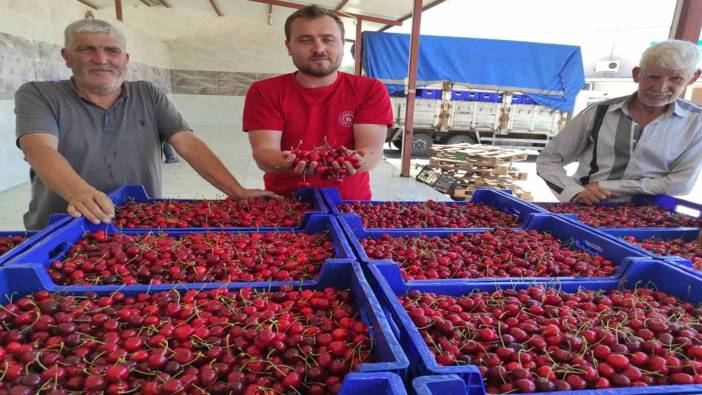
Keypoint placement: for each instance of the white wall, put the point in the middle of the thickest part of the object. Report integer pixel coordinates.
(203, 110)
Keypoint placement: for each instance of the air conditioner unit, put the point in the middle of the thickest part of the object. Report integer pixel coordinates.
(607, 65)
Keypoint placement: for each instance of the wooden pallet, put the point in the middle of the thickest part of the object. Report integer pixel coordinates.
(478, 153)
(465, 193)
(454, 164)
(511, 175)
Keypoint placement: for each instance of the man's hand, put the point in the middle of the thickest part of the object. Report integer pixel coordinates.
(593, 193)
(356, 158)
(254, 193)
(94, 205)
(301, 167)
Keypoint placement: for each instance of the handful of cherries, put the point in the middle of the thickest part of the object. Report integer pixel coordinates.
(327, 162)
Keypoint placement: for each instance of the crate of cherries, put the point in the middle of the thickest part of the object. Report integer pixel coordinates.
(195, 340)
(508, 338)
(624, 215)
(73, 256)
(487, 209)
(549, 246)
(135, 209)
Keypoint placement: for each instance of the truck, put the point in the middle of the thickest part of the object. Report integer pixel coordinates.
(469, 90)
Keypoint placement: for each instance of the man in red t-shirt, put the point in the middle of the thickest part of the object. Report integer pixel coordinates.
(316, 106)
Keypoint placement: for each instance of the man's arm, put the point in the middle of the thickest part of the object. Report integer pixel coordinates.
(41, 152)
(368, 142)
(567, 146)
(210, 167)
(265, 146)
(679, 181)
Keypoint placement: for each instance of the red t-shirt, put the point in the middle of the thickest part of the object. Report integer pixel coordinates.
(307, 115)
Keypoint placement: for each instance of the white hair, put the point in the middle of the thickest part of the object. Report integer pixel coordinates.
(675, 55)
(91, 26)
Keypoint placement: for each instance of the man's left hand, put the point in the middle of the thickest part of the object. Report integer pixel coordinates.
(356, 158)
(254, 193)
(594, 193)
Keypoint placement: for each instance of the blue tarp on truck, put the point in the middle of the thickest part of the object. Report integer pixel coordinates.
(550, 74)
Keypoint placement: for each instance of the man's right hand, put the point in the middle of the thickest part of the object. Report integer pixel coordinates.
(301, 167)
(94, 205)
(593, 193)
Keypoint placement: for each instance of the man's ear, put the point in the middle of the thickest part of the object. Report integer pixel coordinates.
(64, 55)
(695, 76)
(635, 73)
(287, 45)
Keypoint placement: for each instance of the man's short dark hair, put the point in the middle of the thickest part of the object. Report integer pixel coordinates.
(312, 11)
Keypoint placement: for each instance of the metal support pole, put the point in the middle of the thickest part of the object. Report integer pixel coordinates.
(687, 21)
(358, 46)
(408, 135)
(118, 9)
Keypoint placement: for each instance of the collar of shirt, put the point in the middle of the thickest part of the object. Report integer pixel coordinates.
(674, 108)
(122, 95)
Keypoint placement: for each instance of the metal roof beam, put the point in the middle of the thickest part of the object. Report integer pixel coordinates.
(368, 18)
(341, 5)
(408, 16)
(216, 8)
(89, 4)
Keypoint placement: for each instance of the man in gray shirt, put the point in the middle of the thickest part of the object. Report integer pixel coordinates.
(95, 132)
(647, 143)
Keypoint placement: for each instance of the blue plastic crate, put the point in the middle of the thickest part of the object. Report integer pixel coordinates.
(32, 238)
(640, 234)
(56, 246)
(441, 384)
(138, 194)
(667, 202)
(490, 97)
(581, 237)
(471, 96)
(429, 93)
(501, 200)
(372, 384)
(659, 275)
(458, 95)
(19, 280)
(522, 99)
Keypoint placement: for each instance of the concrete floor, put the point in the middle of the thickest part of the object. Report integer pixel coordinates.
(232, 146)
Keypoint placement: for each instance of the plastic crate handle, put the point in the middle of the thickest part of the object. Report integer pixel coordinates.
(60, 251)
(391, 322)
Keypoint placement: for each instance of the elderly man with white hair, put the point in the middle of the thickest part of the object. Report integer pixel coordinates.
(88, 135)
(649, 142)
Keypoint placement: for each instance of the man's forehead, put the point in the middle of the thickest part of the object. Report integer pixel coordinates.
(662, 70)
(97, 38)
(325, 25)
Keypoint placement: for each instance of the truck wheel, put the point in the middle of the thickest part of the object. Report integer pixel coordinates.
(422, 143)
(461, 139)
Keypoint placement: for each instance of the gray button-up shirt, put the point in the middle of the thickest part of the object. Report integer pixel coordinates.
(664, 158)
(107, 148)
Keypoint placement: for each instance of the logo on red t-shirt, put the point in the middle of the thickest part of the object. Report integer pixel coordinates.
(346, 119)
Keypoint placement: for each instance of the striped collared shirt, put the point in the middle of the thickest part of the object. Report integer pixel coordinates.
(664, 158)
